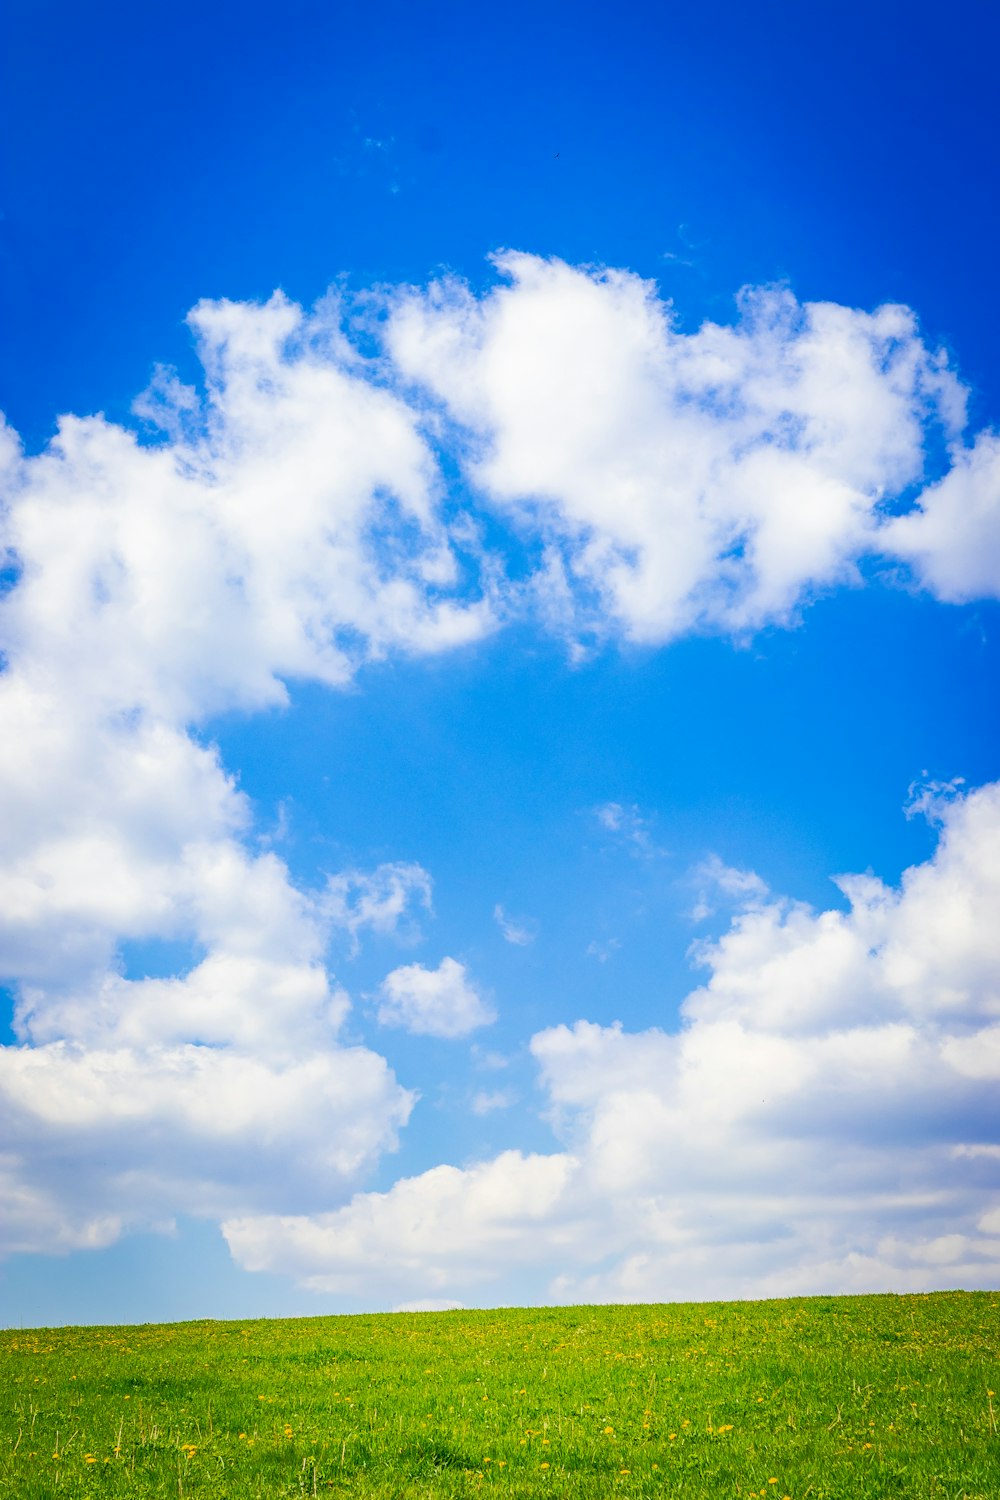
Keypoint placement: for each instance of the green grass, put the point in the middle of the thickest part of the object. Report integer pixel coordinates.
(820, 1397)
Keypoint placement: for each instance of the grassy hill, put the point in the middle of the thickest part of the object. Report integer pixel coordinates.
(815, 1398)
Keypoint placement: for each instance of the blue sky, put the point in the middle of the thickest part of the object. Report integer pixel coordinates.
(528, 527)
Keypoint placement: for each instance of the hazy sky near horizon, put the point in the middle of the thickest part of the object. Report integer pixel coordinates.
(499, 577)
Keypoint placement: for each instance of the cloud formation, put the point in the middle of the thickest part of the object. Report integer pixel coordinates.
(520, 932)
(291, 521)
(712, 480)
(440, 1002)
(951, 538)
(823, 1120)
(380, 900)
(286, 526)
(628, 826)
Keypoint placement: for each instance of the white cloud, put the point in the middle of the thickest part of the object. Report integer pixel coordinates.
(288, 525)
(441, 1230)
(928, 798)
(493, 1061)
(487, 1101)
(715, 879)
(440, 1002)
(293, 534)
(952, 537)
(824, 1119)
(128, 1136)
(628, 825)
(711, 480)
(519, 931)
(603, 951)
(380, 899)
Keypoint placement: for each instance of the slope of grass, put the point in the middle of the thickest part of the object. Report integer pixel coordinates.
(821, 1398)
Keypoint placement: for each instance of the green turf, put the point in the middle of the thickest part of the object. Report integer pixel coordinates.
(819, 1397)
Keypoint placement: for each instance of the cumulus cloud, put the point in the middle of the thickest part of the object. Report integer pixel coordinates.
(705, 480)
(952, 537)
(286, 524)
(125, 1137)
(441, 1230)
(131, 1099)
(290, 520)
(294, 534)
(439, 1002)
(823, 1119)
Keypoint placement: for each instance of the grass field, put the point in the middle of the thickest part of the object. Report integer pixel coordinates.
(821, 1398)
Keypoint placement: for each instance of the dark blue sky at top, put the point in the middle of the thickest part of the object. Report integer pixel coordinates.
(160, 153)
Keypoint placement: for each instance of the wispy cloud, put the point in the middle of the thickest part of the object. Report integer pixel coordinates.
(487, 1101)
(628, 826)
(715, 881)
(520, 931)
(382, 900)
(929, 799)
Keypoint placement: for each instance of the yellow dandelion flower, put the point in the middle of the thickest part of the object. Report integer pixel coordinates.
(544, 1466)
(609, 1431)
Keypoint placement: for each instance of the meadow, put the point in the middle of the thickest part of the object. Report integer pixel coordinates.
(812, 1399)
